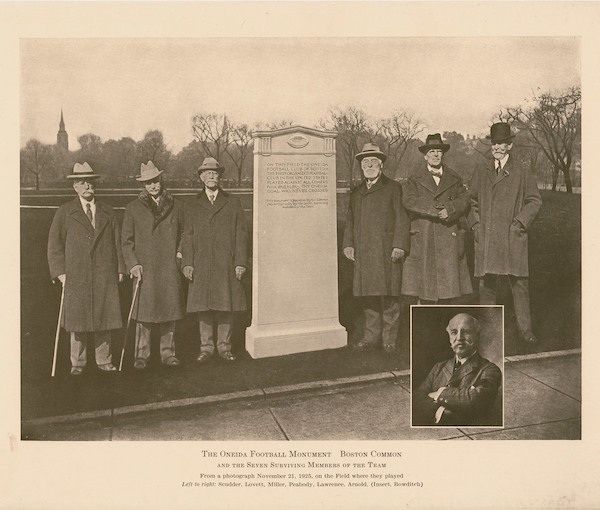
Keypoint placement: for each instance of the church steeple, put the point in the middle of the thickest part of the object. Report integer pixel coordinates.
(62, 137)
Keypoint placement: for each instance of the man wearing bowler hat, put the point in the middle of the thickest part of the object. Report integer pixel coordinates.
(376, 238)
(152, 231)
(436, 200)
(84, 254)
(504, 202)
(214, 260)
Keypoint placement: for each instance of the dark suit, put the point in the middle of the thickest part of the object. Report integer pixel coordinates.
(468, 398)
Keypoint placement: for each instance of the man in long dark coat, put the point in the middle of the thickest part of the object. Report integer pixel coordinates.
(152, 230)
(504, 202)
(436, 200)
(84, 254)
(376, 238)
(214, 260)
(460, 391)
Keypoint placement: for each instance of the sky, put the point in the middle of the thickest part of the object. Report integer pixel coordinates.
(126, 87)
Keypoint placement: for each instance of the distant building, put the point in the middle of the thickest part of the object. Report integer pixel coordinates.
(62, 138)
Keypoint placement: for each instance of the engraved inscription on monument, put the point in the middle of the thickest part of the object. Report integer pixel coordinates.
(295, 296)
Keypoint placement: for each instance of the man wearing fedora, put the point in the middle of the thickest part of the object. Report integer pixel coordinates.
(214, 260)
(376, 238)
(151, 239)
(504, 202)
(436, 200)
(84, 254)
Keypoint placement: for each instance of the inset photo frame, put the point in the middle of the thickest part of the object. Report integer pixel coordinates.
(457, 366)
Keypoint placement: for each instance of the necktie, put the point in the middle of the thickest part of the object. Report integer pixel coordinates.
(456, 366)
(437, 173)
(88, 212)
(212, 199)
(498, 166)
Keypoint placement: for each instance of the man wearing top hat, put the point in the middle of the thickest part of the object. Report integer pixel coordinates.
(84, 254)
(214, 260)
(376, 238)
(151, 236)
(504, 202)
(436, 200)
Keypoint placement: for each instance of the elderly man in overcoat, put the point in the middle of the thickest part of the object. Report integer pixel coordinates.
(504, 202)
(151, 235)
(376, 238)
(214, 260)
(436, 200)
(84, 254)
(462, 390)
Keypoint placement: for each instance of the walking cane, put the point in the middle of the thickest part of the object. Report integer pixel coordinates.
(135, 293)
(60, 311)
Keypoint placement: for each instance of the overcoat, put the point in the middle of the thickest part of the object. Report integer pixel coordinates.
(376, 223)
(436, 267)
(91, 259)
(152, 237)
(496, 200)
(215, 242)
(469, 396)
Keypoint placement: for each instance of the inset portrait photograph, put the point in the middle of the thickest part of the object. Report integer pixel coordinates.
(457, 367)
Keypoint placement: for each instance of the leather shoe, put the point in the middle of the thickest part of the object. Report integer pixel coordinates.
(389, 348)
(529, 337)
(107, 367)
(204, 357)
(76, 370)
(140, 364)
(228, 356)
(172, 362)
(363, 347)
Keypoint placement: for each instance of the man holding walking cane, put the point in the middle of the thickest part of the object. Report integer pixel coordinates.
(152, 230)
(84, 254)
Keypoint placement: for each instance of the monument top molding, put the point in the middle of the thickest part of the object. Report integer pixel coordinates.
(295, 129)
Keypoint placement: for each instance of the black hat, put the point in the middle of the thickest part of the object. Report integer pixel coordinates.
(500, 133)
(434, 142)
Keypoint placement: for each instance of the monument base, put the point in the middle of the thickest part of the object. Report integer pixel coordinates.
(267, 341)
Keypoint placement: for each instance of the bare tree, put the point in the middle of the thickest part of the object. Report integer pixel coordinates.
(153, 148)
(37, 159)
(553, 123)
(397, 132)
(354, 129)
(240, 148)
(91, 144)
(213, 132)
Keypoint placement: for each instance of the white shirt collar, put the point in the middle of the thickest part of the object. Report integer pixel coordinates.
(84, 203)
(436, 170)
(370, 183)
(210, 193)
(502, 161)
(462, 360)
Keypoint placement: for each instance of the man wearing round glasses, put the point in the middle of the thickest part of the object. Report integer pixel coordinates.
(376, 238)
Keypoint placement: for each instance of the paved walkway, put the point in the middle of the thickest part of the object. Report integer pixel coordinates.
(542, 398)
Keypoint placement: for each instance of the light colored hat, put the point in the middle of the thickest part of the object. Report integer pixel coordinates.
(149, 172)
(371, 149)
(83, 172)
(210, 164)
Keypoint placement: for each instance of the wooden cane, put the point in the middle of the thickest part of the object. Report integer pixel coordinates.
(60, 311)
(135, 293)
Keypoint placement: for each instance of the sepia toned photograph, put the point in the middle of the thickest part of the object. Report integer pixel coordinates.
(298, 253)
(457, 369)
(191, 238)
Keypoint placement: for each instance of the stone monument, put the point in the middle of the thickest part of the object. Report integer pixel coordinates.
(295, 265)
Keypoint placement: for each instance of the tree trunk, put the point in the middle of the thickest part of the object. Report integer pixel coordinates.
(554, 178)
(567, 174)
(37, 182)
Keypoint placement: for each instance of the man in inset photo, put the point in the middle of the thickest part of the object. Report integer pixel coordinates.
(462, 390)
